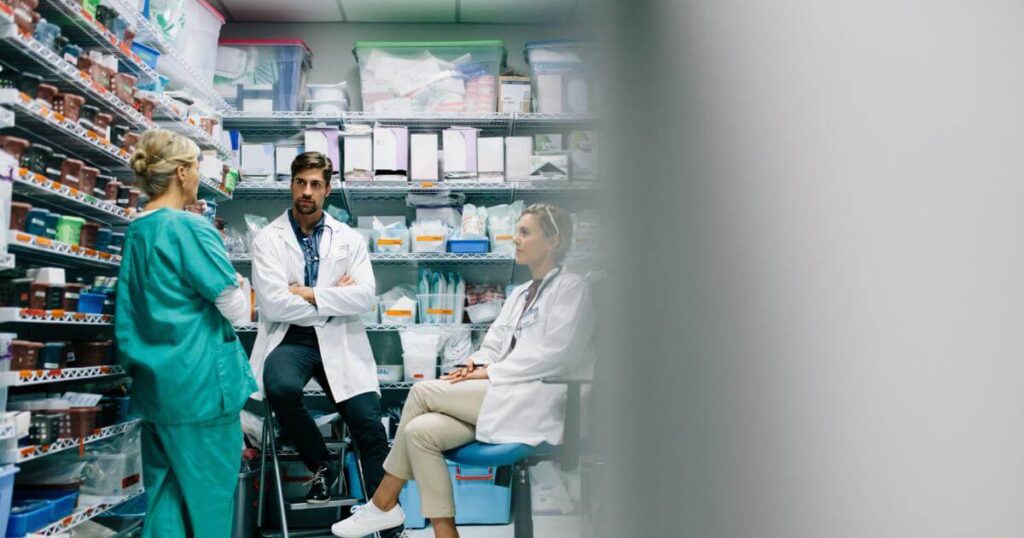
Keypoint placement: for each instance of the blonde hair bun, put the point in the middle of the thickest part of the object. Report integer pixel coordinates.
(158, 154)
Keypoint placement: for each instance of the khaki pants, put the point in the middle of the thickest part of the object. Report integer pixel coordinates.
(437, 416)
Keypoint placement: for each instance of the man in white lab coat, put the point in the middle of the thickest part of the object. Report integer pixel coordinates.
(312, 278)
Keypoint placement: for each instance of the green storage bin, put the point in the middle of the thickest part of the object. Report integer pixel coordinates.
(430, 76)
(69, 229)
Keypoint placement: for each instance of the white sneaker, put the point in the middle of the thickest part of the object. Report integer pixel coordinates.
(368, 519)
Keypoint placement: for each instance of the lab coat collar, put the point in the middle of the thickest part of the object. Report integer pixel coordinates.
(282, 225)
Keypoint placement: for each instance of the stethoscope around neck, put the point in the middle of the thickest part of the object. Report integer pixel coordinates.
(543, 285)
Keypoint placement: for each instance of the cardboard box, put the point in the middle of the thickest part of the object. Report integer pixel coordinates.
(424, 157)
(390, 153)
(284, 155)
(325, 141)
(583, 154)
(491, 159)
(513, 94)
(518, 150)
(358, 157)
(460, 157)
(257, 160)
(549, 167)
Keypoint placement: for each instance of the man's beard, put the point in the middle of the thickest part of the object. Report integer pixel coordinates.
(306, 210)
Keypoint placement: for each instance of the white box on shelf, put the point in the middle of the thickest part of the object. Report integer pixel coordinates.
(358, 157)
(518, 150)
(47, 275)
(514, 94)
(210, 164)
(460, 153)
(549, 167)
(284, 155)
(583, 154)
(325, 141)
(257, 97)
(424, 157)
(257, 159)
(491, 159)
(390, 153)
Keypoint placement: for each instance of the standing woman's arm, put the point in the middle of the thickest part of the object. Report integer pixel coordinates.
(208, 270)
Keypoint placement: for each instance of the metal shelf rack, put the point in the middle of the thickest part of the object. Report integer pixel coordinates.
(13, 314)
(82, 515)
(377, 327)
(29, 453)
(37, 187)
(47, 252)
(270, 190)
(24, 378)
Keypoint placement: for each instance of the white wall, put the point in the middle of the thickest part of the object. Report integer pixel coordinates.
(332, 43)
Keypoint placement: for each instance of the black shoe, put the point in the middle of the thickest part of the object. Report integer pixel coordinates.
(322, 484)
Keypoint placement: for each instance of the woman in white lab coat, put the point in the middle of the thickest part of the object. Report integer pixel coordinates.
(543, 331)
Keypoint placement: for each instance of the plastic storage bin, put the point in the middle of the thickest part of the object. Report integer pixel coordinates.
(468, 246)
(53, 356)
(199, 36)
(7, 473)
(263, 74)
(19, 214)
(25, 355)
(149, 55)
(430, 76)
(559, 70)
(69, 229)
(62, 502)
(15, 146)
(91, 303)
(28, 516)
(438, 309)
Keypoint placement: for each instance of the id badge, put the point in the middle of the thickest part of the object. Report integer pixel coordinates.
(530, 318)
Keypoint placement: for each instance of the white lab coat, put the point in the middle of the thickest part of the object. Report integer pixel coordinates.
(518, 408)
(278, 262)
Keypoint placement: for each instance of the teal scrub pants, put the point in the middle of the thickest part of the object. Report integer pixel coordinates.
(190, 472)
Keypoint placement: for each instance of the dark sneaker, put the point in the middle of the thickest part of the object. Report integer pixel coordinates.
(322, 485)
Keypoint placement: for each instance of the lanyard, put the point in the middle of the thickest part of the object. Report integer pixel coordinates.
(536, 297)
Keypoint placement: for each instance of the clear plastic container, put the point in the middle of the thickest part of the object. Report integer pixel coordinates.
(328, 92)
(430, 76)
(397, 316)
(199, 36)
(438, 309)
(419, 367)
(559, 70)
(263, 74)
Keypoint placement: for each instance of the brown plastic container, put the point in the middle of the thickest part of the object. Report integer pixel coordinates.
(129, 37)
(14, 145)
(37, 296)
(101, 123)
(145, 107)
(130, 140)
(19, 210)
(61, 420)
(112, 188)
(15, 292)
(87, 239)
(87, 179)
(208, 124)
(133, 198)
(46, 93)
(47, 427)
(92, 353)
(25, 20)
(124, 87)
(25, 355)
(83, 420)
(71, 172)
(69, 105)
(69, 303)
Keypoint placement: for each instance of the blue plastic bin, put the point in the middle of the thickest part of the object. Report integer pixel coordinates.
(468, 246)
(51, 225)
(63, 501)
(28, 516)
(103, 237)
(479, 499)
(148, 54)
(7, 473)
(35, 221)
(91, 303)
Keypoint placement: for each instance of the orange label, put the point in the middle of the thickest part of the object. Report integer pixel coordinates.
(55, 186)
(78, 316)
(75, 248)
(57, 313)
(105, 255)
(86, 15)
(44, 112)
(23, 238)
(58, 116)
(427, 184)
(395, 242)
(56, 372)
(44, 242)
(430, 238)
(398, 313)
(25, 98)
(23, 172)
(92, 135)
(503, 238)
(6, 9)
(90, 252)
(440, 311)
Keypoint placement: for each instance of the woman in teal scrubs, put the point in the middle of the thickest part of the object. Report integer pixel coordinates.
(177, 295)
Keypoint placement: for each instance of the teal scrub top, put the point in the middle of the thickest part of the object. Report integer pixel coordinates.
(186, 362)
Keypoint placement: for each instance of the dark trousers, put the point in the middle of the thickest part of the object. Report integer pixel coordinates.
(287, 370)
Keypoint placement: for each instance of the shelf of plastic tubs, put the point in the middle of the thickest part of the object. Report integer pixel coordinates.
(270, 190)
(214, 187)
(145, 32)
(84, 30)
(58, 131)
(83, 514)
(7, 262)
(29, 453)
(48, 253)
(29, 55)
(376, 327)
(387, 258)
(37, 187)
(548, 186)
(377, 191)
(173, 115)
(23, 378)
(527, 123)
(13, 314)
(495, 123)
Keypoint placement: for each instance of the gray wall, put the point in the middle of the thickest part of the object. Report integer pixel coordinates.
(332, 43)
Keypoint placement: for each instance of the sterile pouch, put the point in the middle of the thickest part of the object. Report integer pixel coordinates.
(474, 222)
(253, 225)
(398, 306)
(457, 348)
(393, 238)
(501, 226)
(429, 236)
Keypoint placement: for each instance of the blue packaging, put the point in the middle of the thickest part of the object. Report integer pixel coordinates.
(35, 221)
(51, 225)
(103, 237)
